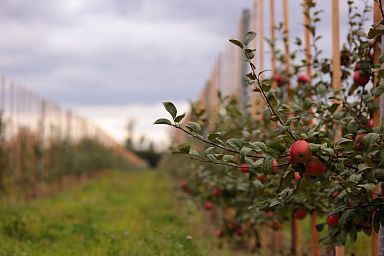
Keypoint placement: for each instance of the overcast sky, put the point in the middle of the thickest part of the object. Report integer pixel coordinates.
(114, 60)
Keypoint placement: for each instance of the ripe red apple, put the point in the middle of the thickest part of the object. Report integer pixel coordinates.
(182, 184)
(303, 78)
(315, 167)
(208, 205)
(244, 168)
(360, 78)
(269, 213)
(276, 225)
(219, 233)
(299, 152)
(370, 123)
(275, 168)
(278, 79)
(216, 192)
(332, 220)
(358, 140)
(300, 214)
(297, 176)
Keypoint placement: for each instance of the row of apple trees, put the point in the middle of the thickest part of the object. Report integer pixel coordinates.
(314, 149)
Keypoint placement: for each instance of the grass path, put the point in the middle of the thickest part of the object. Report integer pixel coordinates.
(119, 214)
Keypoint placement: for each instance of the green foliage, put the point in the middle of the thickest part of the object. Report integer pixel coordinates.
(336, 123)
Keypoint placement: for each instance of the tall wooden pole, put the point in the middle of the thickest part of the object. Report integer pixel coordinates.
(261, 50)
(336, 76)
(286, 44)
(254, 27)
(273, 40)
(307, 35)
(376, 122)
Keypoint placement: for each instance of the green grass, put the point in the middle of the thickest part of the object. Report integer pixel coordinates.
(120, 214)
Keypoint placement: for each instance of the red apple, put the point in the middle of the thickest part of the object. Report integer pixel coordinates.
(219, 233)
(261, 177)
(278, 79)
(216, 192)
(315, 167)
(358, 140)
(275, 166)
(333, 220)
(276, 225)
(299, 152)
(269, 213)
(303, 78)
(208, 205)
(297, 176)
(300, 214)
(370, 123)
(244, 168)
(360, 78)
(182, 184)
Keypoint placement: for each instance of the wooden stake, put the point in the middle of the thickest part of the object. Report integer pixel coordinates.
(336, 77)
(261, 52)
(307, 39)
(286, 45)
(376, 115)
(273, 40)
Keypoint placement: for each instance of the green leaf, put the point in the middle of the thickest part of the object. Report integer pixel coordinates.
(373, 32)
(245, 151)
(163, 121)
(248, 37)
(235, 143)
(228, 158)
(333, 107)
(343, 141)
(213, 136)
(193, 152)
(379, 90)
(194, 127)
(184, 149)
(179, 118)
(258, 146)
(370, 139)
(238, 43)
(274, 202)
(267, 165)
(320, 227)
(170, 108)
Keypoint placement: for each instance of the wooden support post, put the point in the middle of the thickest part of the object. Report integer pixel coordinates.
(255, 97)
(261, 52)
(336, 75)
(307, 37)
(376, 122)
(273, 40)
(286, 45)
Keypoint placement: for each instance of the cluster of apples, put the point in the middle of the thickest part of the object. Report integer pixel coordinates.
(302, 78)
(300, 153)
